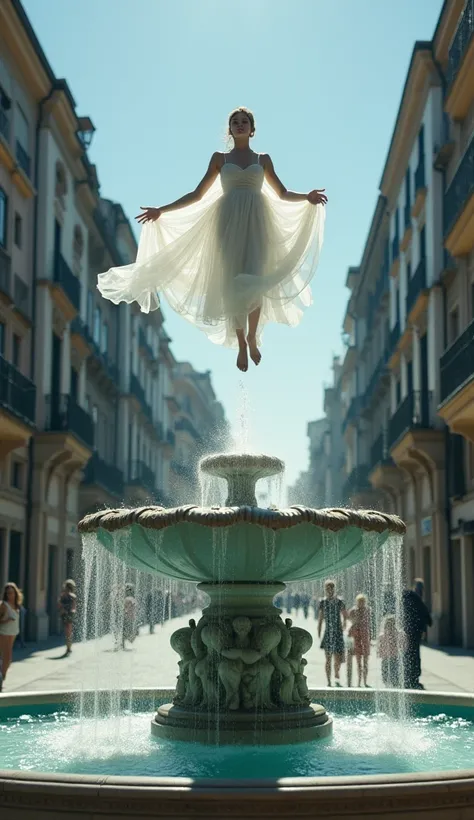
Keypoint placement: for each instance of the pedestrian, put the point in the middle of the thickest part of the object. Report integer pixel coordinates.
(235, 253)
(333, 613)
(67, 606)
(305, 601)
(10, 606)
(359, 640)
(390, 649)
(150, 611)
(416, 620)
(130, 629)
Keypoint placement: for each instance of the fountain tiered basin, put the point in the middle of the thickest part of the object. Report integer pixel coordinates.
(241, 735)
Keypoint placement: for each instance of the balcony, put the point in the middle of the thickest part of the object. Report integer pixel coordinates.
(5, 275)
(17, 407)
(101, 360)
(457, 384)
(64, 415)
(420, 187)
(187, 426)
(357, 482)
(140, 475)
(23, 159)
(461, 65)
(379, 452)
(107, 476)
(459, 207)
(414, 411)
(377, 381)
(417, 296)
(352, 413)
(68, 287)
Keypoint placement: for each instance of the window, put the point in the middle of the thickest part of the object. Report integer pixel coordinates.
(407, 189)
(78, 244)
(453, 325)
(16, 478)
(472, 300)
(95, 415)
(421, 144)
(60, 189)
(16, 350)
(18, 230)
(22, 128)
(2, 338)
(105, 338)
(3, 217)
(398, 392)
(408, 271)
(97, 325)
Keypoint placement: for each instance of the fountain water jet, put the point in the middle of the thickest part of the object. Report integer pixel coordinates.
(241, 669)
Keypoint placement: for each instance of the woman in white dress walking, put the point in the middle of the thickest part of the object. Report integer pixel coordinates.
(234, 254)
(10, 606)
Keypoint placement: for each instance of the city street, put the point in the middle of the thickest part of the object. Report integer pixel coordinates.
(150, 662)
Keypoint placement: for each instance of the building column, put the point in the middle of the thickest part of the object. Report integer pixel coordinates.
(467, 591)
(435, 331)
(65, 381)
(82, 384)
(416, 359)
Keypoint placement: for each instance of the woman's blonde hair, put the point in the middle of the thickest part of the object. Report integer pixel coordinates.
(18, 593)
(362, 597)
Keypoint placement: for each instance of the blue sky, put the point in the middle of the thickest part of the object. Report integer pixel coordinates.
(324, 79)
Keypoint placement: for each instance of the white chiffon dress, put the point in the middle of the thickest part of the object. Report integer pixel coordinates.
(239, 248)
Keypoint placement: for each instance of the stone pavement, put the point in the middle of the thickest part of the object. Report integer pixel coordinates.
(150, 662)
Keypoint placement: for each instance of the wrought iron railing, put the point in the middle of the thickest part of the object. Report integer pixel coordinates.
(414, 411)
(109, 476)
(70, 284)
(416, 285)
(379, 452)
(457, 363)
(17, 393)
(357, 480)
(23, 159)
(64, 414)
(460, 190)
(461, 41)
(138, 391)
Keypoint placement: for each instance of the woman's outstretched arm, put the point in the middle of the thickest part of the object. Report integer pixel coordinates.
(314, 197)
(150, 213)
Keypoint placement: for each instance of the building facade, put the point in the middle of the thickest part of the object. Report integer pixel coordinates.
(90, 393)
(407, 378)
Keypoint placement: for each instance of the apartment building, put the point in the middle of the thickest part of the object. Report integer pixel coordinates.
(408, 373)
(89, 392)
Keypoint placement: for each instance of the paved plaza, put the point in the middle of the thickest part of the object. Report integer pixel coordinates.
(150, 662)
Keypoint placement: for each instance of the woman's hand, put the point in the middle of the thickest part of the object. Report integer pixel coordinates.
(317, 197)
(149, 215)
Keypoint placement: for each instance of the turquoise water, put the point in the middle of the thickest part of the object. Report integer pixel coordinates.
(363, 743)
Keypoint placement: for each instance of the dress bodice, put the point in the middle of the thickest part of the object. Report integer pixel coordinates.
(234, 177)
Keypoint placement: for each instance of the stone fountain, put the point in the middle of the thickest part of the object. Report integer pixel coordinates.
(242, 667)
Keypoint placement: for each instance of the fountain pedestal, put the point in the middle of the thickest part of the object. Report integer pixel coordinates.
(242, 673)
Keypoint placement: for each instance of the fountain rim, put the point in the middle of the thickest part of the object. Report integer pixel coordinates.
(389, 786)
(223, 464)
(333, 519)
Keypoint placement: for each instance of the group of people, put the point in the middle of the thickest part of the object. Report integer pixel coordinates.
(398, 646)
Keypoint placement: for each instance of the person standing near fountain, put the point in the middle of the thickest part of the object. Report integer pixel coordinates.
(416, 620)
(236, 253)
(67, 604)
(10, 606)
(333, 613)
(359, 634)
(130, 627)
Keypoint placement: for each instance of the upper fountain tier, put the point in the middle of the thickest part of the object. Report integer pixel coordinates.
(257, 545)
(241, 471)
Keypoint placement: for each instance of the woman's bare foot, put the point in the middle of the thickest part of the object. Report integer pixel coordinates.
(255, 354)
(242, 358)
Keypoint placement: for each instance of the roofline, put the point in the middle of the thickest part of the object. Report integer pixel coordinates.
(441, 15)
(420, 45)
(59, 83)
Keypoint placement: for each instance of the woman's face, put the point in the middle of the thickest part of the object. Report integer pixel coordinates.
(240, 125)
(10, 595)
(330, 590)
(360, 603)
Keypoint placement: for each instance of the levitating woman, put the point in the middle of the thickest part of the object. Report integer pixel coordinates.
(234, 254)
